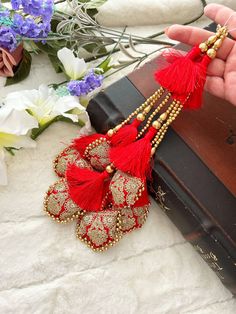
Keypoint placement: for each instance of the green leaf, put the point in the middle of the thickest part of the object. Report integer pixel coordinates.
(55, 63)
(105, 65)
(91, 47)
(22, 70)
(46, 48)
(54, 24)
(64, 119)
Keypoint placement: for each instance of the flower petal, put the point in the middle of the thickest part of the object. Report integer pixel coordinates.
(87, 128)
(71, 116)
(21, 100)
(12, 140)
(65, 104)
(74, 67)
(79, 68)
(16, 122)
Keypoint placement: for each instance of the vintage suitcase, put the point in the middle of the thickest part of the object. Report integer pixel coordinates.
(194, 174)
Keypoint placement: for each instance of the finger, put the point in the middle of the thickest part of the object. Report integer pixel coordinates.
(215, 86)
(221, 15)
(216, 68)
(194, 36)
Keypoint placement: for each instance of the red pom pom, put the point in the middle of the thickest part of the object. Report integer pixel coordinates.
(81, 143)
(87, 188)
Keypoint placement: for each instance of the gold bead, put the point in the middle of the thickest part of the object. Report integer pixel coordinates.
(118, 127)
(109, 169)
(147, 109)
(110, 132)
(211, 53)
(141, 117)
(163, 116)
(153, 150)
(203, 47)
(156, 124)
(211, 40)
(217, 44)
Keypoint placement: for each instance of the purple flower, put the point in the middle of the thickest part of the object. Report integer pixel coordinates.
(15, 4)
(28, 28)
(89, 83)
(4, 12)
(43, 8)
(5, 17)
(8, 38)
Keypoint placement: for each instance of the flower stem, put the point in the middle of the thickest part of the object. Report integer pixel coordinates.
(37, 131)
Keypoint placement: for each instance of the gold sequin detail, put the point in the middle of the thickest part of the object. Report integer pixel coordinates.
(125, 189)
(69, 156)
(99, 230)
(133, 218)
(58, 204)
(99, 155)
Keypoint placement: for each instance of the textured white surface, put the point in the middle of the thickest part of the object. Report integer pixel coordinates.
(152, 12)
(44, 269)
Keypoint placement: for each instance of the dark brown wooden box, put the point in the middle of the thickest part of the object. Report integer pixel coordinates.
(194, 175)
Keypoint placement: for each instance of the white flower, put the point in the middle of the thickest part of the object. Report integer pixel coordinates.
(14, 126)
(74, 67)
(14, 121)
(44, 104)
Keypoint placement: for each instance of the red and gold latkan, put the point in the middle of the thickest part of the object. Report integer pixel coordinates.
(103, 178)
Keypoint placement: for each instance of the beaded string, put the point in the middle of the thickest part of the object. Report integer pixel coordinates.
(210, 47)
(169, 116)
(150, 118)
(145, 107)
(214, 42)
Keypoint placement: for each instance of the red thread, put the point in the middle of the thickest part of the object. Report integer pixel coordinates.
(87, 188)
(126, 135)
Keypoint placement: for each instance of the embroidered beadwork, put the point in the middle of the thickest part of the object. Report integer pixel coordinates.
(99, 230)
(125, 189)
(69, 156)
(58, 204)
(99, 155)
(133, 217)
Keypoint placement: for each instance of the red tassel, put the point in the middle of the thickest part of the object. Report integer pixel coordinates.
(126, 135)
(181, 74)
(87, 188)
(134, 158)
(81, 143)
(185, 77)
(195, 99)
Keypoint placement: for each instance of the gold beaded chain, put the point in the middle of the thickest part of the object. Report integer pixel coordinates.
(150, 118)
(145, 107)
(214, 42)
(169, 115)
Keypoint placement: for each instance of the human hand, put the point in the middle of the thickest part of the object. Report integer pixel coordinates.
(221, 74)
